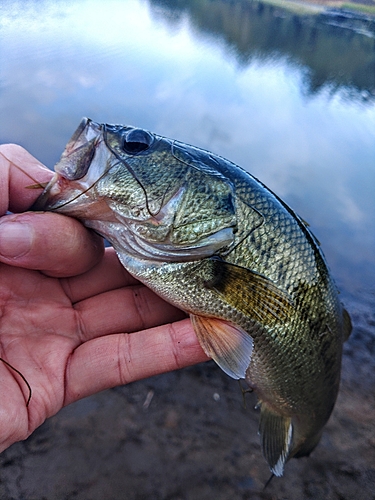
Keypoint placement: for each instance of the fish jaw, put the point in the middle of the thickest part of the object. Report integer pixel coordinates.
(71, 191)
(80, 150)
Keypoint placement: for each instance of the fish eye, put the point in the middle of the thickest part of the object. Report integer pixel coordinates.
(136, 141)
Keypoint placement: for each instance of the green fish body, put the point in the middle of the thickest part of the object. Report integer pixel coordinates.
(214, 241)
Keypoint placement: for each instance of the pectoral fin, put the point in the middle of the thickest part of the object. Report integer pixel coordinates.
(276, 432)
(225, 343)
(250, 292)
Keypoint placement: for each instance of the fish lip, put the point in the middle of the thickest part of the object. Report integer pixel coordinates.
(43, 202)
(85, 136)
(81, 127)
(86, 124)
(80, 146)
(50, 199)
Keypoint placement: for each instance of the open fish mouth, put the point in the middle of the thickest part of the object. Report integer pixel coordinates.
(74, 172)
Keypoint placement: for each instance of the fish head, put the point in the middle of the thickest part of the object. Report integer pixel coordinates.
(146, 194)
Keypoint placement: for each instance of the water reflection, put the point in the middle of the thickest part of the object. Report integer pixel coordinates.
(335, 52)
(289, 98)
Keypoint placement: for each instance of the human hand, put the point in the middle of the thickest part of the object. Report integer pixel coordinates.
(65, 304)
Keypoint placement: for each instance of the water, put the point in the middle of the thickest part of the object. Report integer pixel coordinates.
(290, 98)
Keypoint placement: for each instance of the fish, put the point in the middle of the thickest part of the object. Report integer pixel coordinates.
(214, 241)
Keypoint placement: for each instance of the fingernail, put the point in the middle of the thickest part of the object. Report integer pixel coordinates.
(15, 239)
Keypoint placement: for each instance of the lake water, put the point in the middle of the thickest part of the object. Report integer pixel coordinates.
(289, 98)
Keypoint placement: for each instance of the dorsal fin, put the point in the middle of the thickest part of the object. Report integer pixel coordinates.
(347, 324)
(276, 432)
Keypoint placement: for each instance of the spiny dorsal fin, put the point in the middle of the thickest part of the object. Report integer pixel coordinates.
(225, 343)
(250, 292)
(347, 324)
(276, 433)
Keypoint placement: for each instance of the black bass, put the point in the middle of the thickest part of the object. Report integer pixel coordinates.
(214, 241)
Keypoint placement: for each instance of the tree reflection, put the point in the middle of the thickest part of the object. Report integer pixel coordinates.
(335, 51)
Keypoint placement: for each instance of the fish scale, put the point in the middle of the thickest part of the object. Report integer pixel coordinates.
(214, 241)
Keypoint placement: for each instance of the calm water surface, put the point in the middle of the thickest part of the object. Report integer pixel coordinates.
(289, 98)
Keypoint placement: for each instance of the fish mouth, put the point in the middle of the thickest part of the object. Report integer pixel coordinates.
(68, 182)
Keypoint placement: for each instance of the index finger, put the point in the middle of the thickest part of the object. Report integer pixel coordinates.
(18, 171)
(119, 359)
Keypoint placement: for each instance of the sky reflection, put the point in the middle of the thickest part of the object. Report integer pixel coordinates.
(128, 62)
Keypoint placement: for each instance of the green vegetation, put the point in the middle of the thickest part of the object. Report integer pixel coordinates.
(316, 7)
(357, 7)
(295, 6)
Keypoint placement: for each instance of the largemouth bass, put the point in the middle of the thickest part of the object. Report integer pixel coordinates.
(214, 241)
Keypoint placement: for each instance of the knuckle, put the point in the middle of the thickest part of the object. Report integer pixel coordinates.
(140, 306)
(176, 347)
(124, 357)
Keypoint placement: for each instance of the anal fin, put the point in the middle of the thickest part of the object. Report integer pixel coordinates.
(276, 432)
(227, 344)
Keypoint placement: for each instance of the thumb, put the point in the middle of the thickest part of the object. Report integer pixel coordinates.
(57, 245)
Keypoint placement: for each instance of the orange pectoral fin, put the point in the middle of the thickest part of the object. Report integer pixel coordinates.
(227, 344)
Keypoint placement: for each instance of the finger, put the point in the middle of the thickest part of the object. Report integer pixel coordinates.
(19, 170)
(127, 309)
(108, 274)
(57, 245)
(123, 358)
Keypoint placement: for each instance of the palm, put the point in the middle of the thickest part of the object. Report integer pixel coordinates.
(39, 331)
(61, 333)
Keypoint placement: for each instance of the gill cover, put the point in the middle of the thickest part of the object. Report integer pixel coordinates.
(154, 182)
